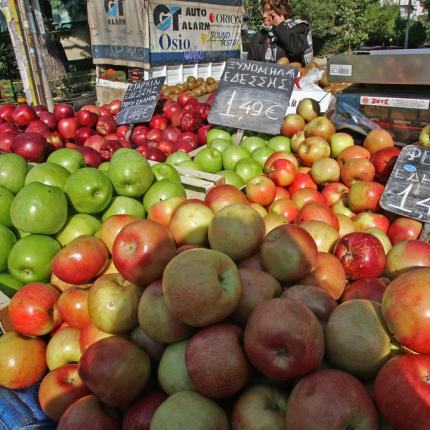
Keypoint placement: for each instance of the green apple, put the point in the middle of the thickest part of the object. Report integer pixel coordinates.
(71, 159)
(162, 190)
(89, 190)
(247, 168)
(130, 173)
(209, 160)
(48, 174)
(78, 225)
(232, 178)
(192, 165)
(104, 167)
(217, 133)
(6, 198)
(9, 285)
(232, 155)
(220, 144)
(280, 143)
(252, 143)
(30, 258)
(13, 169)
(7, 240)
(39, 208)
(260, 155)
(165, 171)
(122, 205)
(178, 157)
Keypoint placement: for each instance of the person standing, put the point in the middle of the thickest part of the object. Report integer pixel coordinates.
(280, 36)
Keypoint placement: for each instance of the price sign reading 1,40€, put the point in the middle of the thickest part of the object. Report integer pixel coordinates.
(407, 191)
(139, 101)
(253, 96)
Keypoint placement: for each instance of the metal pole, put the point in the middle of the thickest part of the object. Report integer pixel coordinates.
(408, 24)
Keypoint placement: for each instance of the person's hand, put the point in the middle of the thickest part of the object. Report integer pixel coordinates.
(276, 19)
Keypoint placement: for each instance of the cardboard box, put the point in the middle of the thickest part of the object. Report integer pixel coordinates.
(401, 110)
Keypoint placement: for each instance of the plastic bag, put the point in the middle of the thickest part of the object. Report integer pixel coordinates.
(307, 82)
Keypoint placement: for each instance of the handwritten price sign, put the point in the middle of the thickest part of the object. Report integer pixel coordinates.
(253, 96)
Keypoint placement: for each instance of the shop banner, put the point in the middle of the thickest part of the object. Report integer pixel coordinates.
(119, 32)
(184, 32)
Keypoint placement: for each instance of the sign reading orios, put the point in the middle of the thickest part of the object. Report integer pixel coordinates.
(407, 192)
(253, 96)
(139, 101)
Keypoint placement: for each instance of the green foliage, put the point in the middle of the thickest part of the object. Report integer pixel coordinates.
(8, 66)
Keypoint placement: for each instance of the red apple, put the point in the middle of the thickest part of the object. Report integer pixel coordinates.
(114, 107)
(365, 195)
(404, 228)
(302, 180)
(162, 211)
(357, 169)
(23, 115)
(91, 157)
(55, 140)
(83, 134)
(6, 140)
(86, 118)
(91, 334)
(223, 195)
(49, 119)
(91, 108)
(351, 153)
(73, 307)
(365, 288)
(282, 172)
(366, 220)
(384, 161)
(202, 133)
(158, 121)
(105, 125)
(112, 226)
(361, 254)
(317, 211)
(95, 142)
(6, 111)
(285, 207)
(63, 110)
(292, 124)
(154, 134)
(190, 121)
(68, 127)
(306, 195)
(333, 192)
(108, 148)
(378, 139)
(261, 190)
(31, 146)
(170, 108)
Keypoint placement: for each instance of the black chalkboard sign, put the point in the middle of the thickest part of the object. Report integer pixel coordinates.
(407, 192)
(139, 101)
(253, 96)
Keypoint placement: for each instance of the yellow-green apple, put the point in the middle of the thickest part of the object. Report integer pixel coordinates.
(63, 348)
(6, 199)
(384, 161)
(357, 169)
(251, 143)
(78, 225)
(91, 334)
(7, 241)
(346, 225)
(190, 222)
(333, 192)
(33, 310)
(347, 348)
(308, 109)
(201, 286)
(163, 210)
(292, 124)
(113, 302)
(325, 170)
(48, 174)
(175, 158)
(22, 360)
(403, 228)
(139, 414)
(220, 145)
(399, 389)
(284, 339)
(237, 230)
(324, 234)
(320, 126)
(280, 143)
(189, 410)
(224, 195)
(9, 285)
(383, 238)
(13, 169)
(297, 139)
(282, 172)
(351, 153)
(329, 274)
(165, 171)
(122, 371)
(141, 251)
(89, 413)
(317, 211)
(39, 208)
(71, 159)
(361, 255)
(424, 137)
(130, 173)
(272, 221)
(124, 205)
(260, 406)
(285, 207)
(232, 155)
(312, 149)
(365, 220)
(248, 168)
(257, 286)
(354, 406)
(261, 155)
(162, 190)
(81, 260)
(59, 389)
(305, 195)
(365, 288)
(315, 298)
(217, 133)
(172, 371)
(111, 227)
(339, 141)
(340, 207)
(378, 139)
(260, 209)
(407, 255)
(261, 190)
(211, 372)
(209, 159)
(289, 253)
(73, 307)
(155, 318)
(365, 195)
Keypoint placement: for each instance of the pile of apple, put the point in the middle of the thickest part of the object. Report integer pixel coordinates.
(194, 87)
(34, 132)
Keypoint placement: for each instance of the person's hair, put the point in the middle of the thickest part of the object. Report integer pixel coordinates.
(281, 7)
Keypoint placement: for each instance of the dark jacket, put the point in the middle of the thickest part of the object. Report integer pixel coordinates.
(292, 38)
